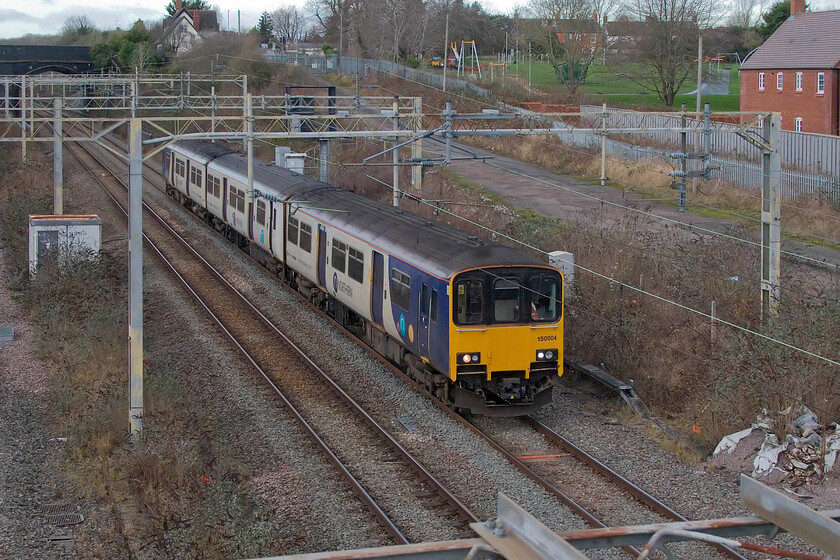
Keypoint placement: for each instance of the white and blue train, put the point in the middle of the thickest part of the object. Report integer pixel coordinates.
(478, 323)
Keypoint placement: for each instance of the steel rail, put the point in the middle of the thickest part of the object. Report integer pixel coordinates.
(364, 496)
(592, 519)
(634, 490)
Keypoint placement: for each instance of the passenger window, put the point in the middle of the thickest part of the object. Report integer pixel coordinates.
(195, 176)
(506, 300)
(469, 302)
(306, 237)
(339, 255)
(401, 289)
(434, 312)
(356, 265)
(260, 212)
(240, 201)
(424, 299)
(292, 231)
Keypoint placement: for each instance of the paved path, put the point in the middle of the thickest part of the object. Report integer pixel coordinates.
(577, 200)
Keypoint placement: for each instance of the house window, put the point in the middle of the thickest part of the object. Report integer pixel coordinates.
(401, 289)
(593, 38)
(799, 81)
(356, 265)
(820, 82)
(761, 81)
(798, 123)
(339, 255)
(779, 81)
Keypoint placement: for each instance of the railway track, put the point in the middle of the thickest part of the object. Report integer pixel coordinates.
(389, 481)
(604, 493)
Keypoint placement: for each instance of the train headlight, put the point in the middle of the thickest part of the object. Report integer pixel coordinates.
(469, 357)
(547, 355)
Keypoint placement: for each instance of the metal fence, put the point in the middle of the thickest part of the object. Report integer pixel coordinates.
(324, 64)
(810, 162)
(739, 172)
(809, 153)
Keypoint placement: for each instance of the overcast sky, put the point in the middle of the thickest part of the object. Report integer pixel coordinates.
(47, 16)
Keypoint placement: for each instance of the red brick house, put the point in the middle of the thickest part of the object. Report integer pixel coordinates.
(795, 72)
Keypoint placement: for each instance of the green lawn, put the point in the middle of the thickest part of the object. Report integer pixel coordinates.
(618, 90)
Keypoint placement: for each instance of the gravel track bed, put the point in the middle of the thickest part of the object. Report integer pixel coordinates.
(696, 491)
(311, 507)
(464, 464)
(458, 459)
(389, 481)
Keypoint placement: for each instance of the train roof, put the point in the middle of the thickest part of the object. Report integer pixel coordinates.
(433, 246)
(438, 248)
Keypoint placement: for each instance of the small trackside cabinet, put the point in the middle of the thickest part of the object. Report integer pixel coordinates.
(54, 236)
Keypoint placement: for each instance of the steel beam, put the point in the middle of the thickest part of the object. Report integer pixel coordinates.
(135, 275)
(811, 526)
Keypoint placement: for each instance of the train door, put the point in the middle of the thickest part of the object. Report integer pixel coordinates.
(322, 255)
(273, 227)
(425, 318)
(376, 288)
(187, 179)
(225, 200)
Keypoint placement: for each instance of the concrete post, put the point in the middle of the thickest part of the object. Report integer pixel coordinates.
(23, 118)
(417, 149)
(324, 161)
(244, 104)
(683, 161)
(58, 164)
(249, 145)
(135, 275)
(447, 115)
(213, 111)
(604, 147)
(396, 154)
(771, 170)
(6, 97)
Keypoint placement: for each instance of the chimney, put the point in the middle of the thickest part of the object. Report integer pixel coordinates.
(595, 16)
(797, 6)
(196, 20)
(178, 6)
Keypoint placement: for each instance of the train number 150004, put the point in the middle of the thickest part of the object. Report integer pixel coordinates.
(547, 337)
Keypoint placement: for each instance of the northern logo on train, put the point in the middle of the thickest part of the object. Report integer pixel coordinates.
(341, 286)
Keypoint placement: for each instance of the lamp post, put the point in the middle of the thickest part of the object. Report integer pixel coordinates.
(516, 55)
(505, 59)
(529, 65)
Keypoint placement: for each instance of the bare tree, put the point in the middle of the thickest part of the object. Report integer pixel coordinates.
(569, 34)
(744, 13)
(668, 50)
(77, 26)
(288, 23)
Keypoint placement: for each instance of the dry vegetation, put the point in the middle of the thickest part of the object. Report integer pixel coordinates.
(711, 385)
(176, 491)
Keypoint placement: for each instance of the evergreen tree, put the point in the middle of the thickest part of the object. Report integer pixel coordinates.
(774, 17)
(188, 5)
(265, 28)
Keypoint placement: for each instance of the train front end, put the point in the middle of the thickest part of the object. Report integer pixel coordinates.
(506, 338)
